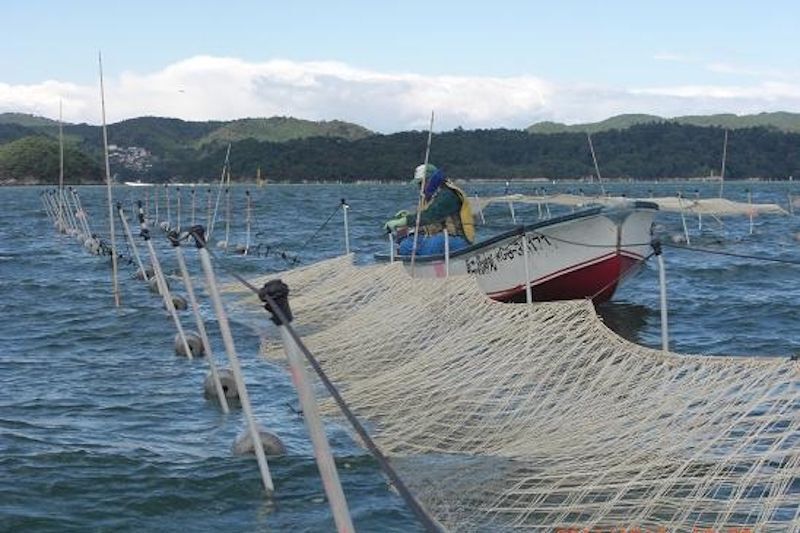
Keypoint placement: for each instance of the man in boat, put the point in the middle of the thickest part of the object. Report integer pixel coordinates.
(444, 206)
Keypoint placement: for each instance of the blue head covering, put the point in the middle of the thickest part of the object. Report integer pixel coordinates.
(433, 183)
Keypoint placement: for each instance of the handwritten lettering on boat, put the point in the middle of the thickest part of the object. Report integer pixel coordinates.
(490, 261)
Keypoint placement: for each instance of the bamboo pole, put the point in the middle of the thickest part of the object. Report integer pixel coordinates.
(131, 242)
(60, 162)
(114, 277)
(596, 166)
(421, 195)
(225, 166)
(248, 215)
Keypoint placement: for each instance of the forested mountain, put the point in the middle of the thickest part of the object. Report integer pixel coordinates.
(648, 151)
(35, 159)
(781, 121)
(280, 129)
(161, 149)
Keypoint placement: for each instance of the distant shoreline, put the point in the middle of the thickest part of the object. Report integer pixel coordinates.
(543, 181)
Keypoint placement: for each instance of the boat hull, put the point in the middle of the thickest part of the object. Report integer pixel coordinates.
(583, 255)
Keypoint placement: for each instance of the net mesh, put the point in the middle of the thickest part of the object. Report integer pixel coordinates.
(538, 417)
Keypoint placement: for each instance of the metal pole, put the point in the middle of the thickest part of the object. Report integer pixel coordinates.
(166, 199)
(345, 207)
(391, 248)
(724, 157)
(178, 208)
(247, 213)
(480, 209)
(193, 204)
(227, 218)
(699, 213)
(683, 219)
(526, 259)
(446, 253)
(278, 294)
(662, 282)
(208, 207)
(316, 430)
(198, 319)
(155, 200)
(230, 349)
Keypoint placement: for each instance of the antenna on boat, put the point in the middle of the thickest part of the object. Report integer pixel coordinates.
(421, 195)
(596, 166)
(108, 186)
(724, 157)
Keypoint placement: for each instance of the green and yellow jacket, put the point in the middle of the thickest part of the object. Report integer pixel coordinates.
(448, 208)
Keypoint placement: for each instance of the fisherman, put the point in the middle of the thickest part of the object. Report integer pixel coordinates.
(444, 206)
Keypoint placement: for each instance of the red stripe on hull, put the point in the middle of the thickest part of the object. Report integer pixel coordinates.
(600, 279)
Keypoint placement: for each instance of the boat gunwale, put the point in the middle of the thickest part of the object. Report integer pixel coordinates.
(520, 229)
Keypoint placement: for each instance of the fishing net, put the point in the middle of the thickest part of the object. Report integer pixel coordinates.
(538, 417)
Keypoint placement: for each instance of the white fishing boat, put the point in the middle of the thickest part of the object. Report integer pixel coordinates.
(585, 254)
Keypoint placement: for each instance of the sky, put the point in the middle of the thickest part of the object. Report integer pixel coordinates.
(387, 64)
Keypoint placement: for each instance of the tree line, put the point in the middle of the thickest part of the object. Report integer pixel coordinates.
(644, 151)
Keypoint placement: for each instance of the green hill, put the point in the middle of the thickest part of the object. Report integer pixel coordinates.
(630, 146)
(35, 159)
(23, 119)
(619, 122)
(160, 135)
(282, 129)
(782, 121)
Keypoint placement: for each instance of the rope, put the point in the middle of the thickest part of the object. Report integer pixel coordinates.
(732, 254)
(427, 522)
(314, 236)
(617, 278)
(587, 245)
(291, 260)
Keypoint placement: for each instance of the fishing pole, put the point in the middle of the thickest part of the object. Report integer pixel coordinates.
(421, 195)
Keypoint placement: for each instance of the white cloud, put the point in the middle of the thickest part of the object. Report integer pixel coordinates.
(674, 58)
(219, 88)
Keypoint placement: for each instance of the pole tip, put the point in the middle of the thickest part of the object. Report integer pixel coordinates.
(276, 292)
(198, 233)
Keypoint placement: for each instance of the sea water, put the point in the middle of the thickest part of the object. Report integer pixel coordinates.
(103, 428)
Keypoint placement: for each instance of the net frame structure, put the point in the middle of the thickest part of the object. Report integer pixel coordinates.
(718, 207)
(538, 417)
